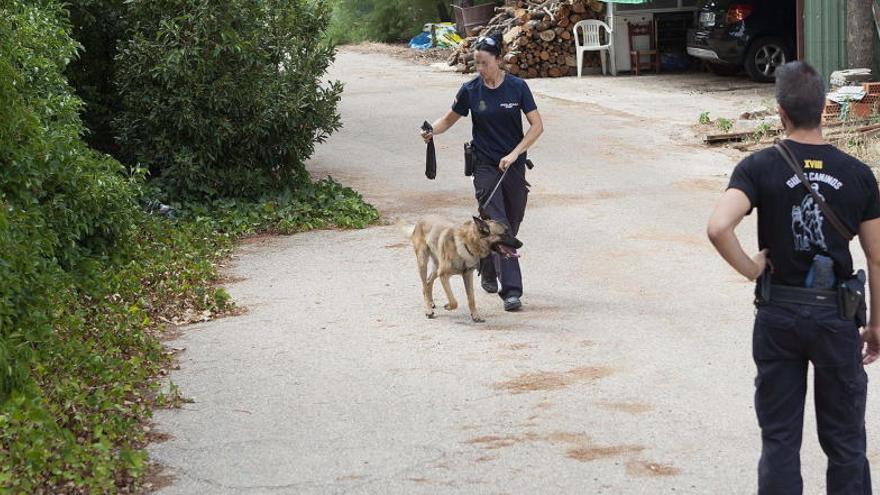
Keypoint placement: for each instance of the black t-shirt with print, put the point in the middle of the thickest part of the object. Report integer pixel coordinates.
(496, 114)
(790, 223)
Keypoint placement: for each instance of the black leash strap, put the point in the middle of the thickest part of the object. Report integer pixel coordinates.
(789, 158)
(430, 154)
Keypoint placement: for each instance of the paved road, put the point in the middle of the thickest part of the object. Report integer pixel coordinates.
(627, 372)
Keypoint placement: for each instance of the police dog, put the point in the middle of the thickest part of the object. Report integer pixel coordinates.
(457, 251)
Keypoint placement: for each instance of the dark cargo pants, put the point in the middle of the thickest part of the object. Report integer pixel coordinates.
(507, 206)
(786, 338)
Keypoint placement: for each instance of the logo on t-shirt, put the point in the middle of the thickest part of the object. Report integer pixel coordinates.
(508, 106)
(806, 224)
(482, 107)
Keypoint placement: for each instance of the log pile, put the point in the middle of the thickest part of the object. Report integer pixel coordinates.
(538, 38)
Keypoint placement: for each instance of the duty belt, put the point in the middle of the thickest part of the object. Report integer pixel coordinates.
(800, 295)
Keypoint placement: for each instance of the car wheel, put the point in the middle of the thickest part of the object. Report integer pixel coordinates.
(723, 69)
(764, 56)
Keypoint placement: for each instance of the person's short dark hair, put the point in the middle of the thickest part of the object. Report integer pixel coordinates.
(800, 91)
(489, 44)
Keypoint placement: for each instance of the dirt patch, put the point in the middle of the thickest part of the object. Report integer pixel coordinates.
(495, 442)
(397, 245)
(501, 327)
(155, 436)
(352, 477)
(404, 52)
(520, 347)
(627, 407)
(587, 343)
(581, 448)
(229, 280)
(157, 478)
(406, 203)
(678, 238)
(700, 185)
(593, 453)
(548, 200)
(642, 468)
(547, 380)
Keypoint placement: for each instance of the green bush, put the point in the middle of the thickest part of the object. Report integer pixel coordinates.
(86, 274)
(222, 99)
(98, 26)
(384, 20)
(72, 348)
(313, 206)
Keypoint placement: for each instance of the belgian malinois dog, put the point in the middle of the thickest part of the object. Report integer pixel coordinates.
(457, 251)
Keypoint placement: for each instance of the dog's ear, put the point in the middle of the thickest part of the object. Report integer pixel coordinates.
(483, 214)
(482, 226)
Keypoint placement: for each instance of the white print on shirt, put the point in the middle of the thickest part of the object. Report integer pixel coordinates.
(509, 105)
(806, 224)
(816, 177)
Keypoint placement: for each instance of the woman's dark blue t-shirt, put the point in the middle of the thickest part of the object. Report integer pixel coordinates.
(497, 114)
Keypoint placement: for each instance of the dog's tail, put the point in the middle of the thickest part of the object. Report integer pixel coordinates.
(406, 229)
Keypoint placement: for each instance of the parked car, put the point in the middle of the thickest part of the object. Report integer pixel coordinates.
(755, 35)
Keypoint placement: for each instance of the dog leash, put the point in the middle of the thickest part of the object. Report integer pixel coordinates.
(492, 194)
(529, 165)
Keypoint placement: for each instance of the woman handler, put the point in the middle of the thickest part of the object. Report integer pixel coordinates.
(496, 100)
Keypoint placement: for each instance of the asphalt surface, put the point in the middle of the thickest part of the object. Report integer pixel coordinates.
(628, 371)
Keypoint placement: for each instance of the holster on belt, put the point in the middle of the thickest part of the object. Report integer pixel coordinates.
(849, 298)
(469, 159)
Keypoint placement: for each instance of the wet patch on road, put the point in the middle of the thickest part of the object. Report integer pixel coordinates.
(580, 448)
(594, 453)
(548, 380)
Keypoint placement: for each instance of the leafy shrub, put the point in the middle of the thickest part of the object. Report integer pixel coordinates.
(98, 26)
(313, 206)
(86, 277)
(385, 20)
(222, 99)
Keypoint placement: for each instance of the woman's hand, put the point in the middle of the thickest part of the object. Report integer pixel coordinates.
(507, 161)
(426, 135)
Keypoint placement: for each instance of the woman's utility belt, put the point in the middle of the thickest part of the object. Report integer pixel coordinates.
(849, 298)
(471, 159)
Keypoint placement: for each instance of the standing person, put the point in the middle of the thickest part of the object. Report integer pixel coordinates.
(799, 319)
(496, 101)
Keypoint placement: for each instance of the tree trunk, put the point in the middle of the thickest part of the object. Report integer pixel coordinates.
(860, 34)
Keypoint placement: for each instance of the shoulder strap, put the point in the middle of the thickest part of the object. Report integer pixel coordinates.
(789, 158)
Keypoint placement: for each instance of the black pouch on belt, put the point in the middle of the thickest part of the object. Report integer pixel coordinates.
(468, 159)
(762, 288)
(430, 154)
(851, 299)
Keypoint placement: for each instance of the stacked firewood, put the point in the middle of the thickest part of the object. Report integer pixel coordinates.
(538, 37)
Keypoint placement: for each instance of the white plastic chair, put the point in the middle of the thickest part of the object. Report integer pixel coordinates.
(592, 42)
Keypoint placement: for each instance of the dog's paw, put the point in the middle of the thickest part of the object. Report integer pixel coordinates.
(429, 316)
(477, 319)
(450, 306)
(433, 306)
